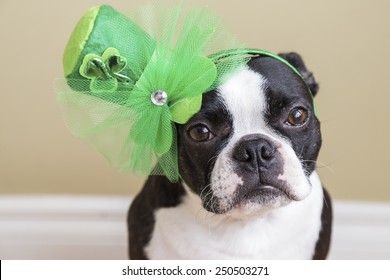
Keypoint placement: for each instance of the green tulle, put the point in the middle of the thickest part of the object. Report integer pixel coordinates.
(108, 96)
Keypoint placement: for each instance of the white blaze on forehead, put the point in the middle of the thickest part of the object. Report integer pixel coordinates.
(244, 98)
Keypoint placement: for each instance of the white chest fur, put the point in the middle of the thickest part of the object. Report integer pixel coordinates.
(189, 232)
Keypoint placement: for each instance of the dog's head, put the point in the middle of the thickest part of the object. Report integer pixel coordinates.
(255, 141)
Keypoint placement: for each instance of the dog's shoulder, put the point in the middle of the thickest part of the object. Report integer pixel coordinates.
(324, 239)
(156, 193)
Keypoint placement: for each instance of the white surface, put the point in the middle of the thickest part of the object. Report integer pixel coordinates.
(361, 230)
(74, 227)
(63, 227)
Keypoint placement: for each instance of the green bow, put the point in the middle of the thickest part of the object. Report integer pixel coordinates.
(184, 88)
(144, 86)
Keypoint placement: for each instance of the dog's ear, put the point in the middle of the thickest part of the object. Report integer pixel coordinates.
(296, 60)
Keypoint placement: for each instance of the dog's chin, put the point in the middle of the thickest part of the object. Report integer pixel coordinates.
(257, 201)
(264, 195)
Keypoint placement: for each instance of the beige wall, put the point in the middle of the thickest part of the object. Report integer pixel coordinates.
(345, 43)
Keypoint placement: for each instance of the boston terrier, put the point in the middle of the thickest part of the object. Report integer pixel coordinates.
(248, 187)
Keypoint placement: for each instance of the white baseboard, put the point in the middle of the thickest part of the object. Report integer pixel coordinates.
(361, 230)
(87, 227)
(63, 227)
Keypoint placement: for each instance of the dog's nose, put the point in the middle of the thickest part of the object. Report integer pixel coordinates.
(255, 153)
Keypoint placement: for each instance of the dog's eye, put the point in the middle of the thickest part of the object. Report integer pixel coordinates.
(297, 117)
(200, 133)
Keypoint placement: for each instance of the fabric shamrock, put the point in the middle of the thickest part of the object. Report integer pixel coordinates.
(104, 71)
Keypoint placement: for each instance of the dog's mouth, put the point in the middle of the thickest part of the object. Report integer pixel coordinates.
(257, 196)
(263, 195)
(264, 191)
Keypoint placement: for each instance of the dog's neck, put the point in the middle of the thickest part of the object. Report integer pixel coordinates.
(282, 233)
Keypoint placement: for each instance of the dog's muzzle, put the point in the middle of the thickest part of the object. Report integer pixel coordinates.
(259, 162)
(256, 153)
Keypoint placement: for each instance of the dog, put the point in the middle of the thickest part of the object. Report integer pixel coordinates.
(248, 188)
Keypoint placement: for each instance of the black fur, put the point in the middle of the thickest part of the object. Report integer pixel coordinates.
(157, 193)
(284, 96)
(296, 60)
(323, 243)
(198, 166)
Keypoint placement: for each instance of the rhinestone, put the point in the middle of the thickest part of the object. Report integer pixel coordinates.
(159, 97)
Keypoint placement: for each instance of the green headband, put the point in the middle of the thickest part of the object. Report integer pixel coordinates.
(125, 90)
(242, 52)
